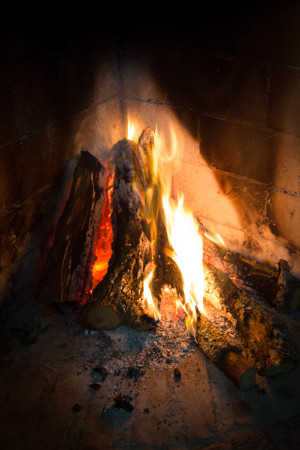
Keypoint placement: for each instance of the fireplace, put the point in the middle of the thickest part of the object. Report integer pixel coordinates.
(230, 102)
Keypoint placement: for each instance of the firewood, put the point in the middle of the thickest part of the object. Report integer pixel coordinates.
(118, 298)
(67, 275)
(168, 274)
(274, 286)
(226, 353)
(261, 336)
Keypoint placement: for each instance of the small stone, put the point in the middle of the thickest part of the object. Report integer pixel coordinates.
(146, 411)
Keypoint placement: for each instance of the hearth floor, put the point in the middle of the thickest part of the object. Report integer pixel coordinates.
(47, 401)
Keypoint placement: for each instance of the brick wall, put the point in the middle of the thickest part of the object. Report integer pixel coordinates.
(232, 86)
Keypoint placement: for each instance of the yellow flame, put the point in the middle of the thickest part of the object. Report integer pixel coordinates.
(149, 304)
(131, 129)
(217, 239)
(184, 236)
(182, 228)
(183, 232)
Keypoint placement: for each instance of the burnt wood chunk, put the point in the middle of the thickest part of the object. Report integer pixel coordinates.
(226, 353)
(67, 272)
(260, 335)
(118, 298)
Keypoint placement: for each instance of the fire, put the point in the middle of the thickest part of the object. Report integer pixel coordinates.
(217, 239)
(131, 129)
(182, 230)
(149, 304)
(184, 236)
(103, 249)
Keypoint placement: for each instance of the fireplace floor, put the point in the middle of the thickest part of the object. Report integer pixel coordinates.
(47, 401)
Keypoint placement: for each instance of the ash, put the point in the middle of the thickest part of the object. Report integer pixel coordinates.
(130, 352)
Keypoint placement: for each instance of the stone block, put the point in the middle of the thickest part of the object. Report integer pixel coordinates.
(240, 149)
(190, 79)
(284, 100)
(284, 209)
(52, 88)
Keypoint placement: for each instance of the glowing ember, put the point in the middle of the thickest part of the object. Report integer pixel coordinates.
(103, 247)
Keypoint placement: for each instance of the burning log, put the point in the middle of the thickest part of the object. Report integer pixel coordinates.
(118, 298)
(66, 275)
(260, 335)
(226, 353)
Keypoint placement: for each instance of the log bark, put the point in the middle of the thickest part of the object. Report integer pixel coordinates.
(118, 299)
(261, 336)
(226, 354)
(67, 271)
(274, 286)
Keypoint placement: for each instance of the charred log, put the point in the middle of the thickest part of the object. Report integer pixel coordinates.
(118, 298)
(226, 353)
(168, 274)
(275, 286)
(260, 335)
(66, 275)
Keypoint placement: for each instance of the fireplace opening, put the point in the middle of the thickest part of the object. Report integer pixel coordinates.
(142, 247)
(106, 338)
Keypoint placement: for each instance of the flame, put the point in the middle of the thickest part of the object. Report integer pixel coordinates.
(131, 129)
(184, 236)
(217, 239)
(182, 228)
(149, 304)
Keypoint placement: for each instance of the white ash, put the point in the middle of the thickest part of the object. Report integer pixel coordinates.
(126, 348)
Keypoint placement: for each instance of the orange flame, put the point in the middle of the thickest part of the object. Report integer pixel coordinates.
(103, 249)
(184, 237)
(182, 228)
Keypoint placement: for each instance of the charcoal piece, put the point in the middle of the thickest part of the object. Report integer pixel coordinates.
(177, 374)
(123, 401)
(95, 386)
(102, 371)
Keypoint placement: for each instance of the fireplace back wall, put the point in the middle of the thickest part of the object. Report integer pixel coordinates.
(231, 84)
